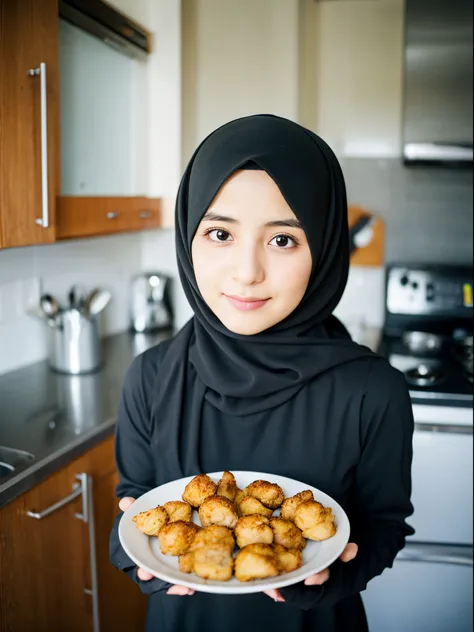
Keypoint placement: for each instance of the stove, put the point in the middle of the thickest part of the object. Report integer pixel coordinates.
(428, 331)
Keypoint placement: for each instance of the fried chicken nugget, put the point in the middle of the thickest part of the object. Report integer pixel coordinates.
(255, 561)
(197, 490)
(287, 560)
(186, 562)
(315, 521)
(218, 510)
(287, 534)
(150, 522)
(239, 496)
(212, 535)
(269, 494)
(214, 561)
(290, 504)
(250, 505)
(175, 538)
(178, 510)
(253, 529)
(227, 487)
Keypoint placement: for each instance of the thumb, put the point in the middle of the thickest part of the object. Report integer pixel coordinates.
(126, 502)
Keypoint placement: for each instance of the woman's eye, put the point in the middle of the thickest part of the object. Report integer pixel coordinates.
(283, 241)
(218, 234)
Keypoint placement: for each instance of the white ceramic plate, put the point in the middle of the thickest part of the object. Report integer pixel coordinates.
(145, 550)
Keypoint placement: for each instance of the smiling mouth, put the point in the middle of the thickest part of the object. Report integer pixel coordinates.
(246, 303)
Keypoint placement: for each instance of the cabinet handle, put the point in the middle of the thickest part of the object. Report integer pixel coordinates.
(145, 214)
(112, 215)
(79, 489)
(83, 489)
(41, 71)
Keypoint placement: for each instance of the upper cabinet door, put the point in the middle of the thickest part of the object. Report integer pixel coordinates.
(29, 121)
(103, 117)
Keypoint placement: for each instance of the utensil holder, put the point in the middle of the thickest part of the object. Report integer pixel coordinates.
(74, 344)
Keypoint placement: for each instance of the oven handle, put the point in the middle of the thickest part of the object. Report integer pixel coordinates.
(435, 554)
(450, 428)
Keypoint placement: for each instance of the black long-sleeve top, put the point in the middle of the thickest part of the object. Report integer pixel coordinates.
(355, 444)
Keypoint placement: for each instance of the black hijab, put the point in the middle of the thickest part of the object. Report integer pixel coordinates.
(238, 374)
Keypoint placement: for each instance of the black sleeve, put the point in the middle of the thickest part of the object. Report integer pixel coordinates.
(380, 500)
(134, 459)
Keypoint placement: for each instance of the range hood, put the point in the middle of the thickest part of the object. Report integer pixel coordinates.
(112, 27)
(438, 78)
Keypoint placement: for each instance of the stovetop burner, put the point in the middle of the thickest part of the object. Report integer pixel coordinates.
(424, 376)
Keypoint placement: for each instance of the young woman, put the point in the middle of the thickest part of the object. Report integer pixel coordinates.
(264, 378)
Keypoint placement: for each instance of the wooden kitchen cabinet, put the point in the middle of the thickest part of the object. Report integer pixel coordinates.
(29, 121)
(46, 580)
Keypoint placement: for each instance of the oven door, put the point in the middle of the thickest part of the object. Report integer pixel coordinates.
(429, 589)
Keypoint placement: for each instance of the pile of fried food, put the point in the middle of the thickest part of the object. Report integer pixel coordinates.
(268, 545)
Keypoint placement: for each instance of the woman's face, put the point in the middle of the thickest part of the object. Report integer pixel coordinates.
(251, 259)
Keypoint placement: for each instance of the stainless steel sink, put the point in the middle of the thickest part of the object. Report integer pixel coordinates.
(11, 459)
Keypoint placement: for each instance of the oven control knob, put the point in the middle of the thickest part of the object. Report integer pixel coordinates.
(404, 280)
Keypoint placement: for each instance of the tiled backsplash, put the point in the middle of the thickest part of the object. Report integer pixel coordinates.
(427, 211)
(428, 215)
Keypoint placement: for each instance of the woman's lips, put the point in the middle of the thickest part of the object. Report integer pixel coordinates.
(246, 304)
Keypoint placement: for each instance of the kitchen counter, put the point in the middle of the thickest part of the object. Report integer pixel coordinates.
(58, 417)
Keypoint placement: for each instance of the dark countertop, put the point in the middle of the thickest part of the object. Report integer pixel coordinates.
(58, 417)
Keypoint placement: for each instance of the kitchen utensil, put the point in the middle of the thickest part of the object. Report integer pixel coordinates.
(74, 345)
(361, 233)
(95, 302)
(50, 308)
(151, 306)
(145, 550)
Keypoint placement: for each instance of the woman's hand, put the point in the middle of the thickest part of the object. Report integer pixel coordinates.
(144, 575)
(320, 578)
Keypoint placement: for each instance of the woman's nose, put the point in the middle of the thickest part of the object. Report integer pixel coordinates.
(248, 265)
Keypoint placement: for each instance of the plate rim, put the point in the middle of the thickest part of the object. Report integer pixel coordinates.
(243, 587)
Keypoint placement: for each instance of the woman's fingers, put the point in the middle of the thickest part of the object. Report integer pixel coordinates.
(180, 590)
(349, 552)
(347, 555)
(125, 503)
(144, 575)
(274, 594)
(318, 579)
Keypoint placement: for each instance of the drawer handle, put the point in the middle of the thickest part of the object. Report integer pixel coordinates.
(80, 489)
(112, 215)
(145, 214)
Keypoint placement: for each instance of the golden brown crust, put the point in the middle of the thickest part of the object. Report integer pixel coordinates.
(315, 521)
(218, 510)
(255, 561)
(197, 490)
(212, 535)
(269, 494)
(186, 562)
(251, 505)
(178, 510)
(287, 560)
(150, 522)
(227, 487)
(214, 562)
(253, 529)
(175, 538)
(290, 504)
(287, 534)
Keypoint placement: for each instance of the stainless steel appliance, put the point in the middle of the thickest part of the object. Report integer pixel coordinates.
(428, 336)
(438, 82)
(151, 306)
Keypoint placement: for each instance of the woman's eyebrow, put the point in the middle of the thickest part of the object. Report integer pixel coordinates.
(289, 223)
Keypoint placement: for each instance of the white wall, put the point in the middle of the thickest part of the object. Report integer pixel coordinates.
(239, 58)
(352, 54)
